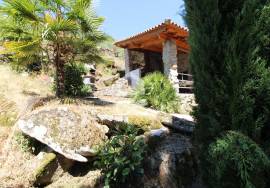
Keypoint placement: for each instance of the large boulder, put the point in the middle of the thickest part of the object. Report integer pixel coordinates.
(71, 132)
(170, 161)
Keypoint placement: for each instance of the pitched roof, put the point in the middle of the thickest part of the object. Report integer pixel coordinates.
(153, 38)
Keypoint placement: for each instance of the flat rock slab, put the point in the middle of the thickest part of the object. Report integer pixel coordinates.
(70, 132)
(180, 123)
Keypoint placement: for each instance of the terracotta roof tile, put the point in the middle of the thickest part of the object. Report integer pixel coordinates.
(165, 23)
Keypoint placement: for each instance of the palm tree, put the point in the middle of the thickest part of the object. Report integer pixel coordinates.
(57, 31)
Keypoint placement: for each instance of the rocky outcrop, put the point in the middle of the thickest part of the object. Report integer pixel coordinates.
(93, 179)
(110, 80)
(68, 131)
(187, 103)
(169, 161)
(119, 89)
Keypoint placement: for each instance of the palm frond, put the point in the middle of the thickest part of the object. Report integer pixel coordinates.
(78, 5)
(58, 25)
(26, 8)
(21, 49)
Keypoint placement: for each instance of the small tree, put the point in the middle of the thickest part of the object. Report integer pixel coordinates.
(232, 80)
(56, 31)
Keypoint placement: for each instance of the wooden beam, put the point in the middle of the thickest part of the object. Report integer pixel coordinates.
(141, 37)
(152, 48)
(183, 45)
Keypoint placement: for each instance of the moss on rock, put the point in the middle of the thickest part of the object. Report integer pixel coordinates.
(46, 169)
(144, 122)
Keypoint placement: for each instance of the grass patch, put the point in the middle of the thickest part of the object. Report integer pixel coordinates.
(8, 112)
(28, 144)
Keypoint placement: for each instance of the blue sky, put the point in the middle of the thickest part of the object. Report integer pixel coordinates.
(124, 18)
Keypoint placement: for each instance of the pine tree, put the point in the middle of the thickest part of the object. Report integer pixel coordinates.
(232, 80)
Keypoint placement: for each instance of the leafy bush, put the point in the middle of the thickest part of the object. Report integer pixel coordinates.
(156, 91)
(74, 85)
(121, 157)
(236, 161)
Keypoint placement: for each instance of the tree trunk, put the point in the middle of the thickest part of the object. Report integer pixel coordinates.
(60, 74)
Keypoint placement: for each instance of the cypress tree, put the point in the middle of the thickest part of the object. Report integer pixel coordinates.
(231, 84)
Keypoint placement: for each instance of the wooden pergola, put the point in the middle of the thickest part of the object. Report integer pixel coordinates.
(153, 38)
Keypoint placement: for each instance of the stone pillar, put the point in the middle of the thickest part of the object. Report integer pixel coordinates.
(169, 57)
(127, 61)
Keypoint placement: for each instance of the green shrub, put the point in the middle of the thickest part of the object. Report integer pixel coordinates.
(74, 85)
(156, 91)
(121, 157)
(236, 161)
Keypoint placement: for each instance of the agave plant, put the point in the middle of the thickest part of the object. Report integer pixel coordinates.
(54, 31)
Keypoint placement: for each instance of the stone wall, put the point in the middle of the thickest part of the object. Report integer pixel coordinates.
(133, 60)
(136, 60)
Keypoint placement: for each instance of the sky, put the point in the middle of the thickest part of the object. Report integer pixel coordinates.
(124, 18)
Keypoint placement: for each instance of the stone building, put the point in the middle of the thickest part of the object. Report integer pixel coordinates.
(162, 48)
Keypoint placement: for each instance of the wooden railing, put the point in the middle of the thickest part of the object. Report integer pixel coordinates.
(183, 76)
(185, 83)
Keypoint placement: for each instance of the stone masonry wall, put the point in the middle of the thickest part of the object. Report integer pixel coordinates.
(169, 56)
(133, 60)
(170, 62)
